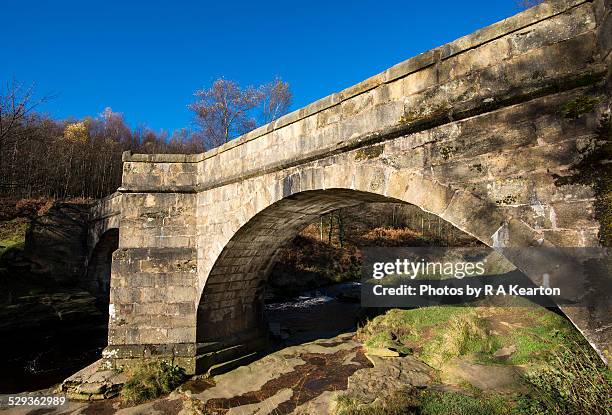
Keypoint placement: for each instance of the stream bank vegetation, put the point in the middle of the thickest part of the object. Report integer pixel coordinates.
(557, 371)
(12, 234)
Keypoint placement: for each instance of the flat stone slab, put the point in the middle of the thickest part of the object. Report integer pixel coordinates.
(380, 352)
(388, 375)
(488, 378)
(297, 379)
(90, 383)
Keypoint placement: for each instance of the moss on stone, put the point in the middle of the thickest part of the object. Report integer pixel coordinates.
(12, 234)
(408, 117)
(369, 152)
(587, 79)
(579, 106)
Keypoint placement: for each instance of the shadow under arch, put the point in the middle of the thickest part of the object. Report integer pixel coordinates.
(97, 278)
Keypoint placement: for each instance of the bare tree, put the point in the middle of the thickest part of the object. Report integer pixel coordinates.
(223, 111)
(17, 128)
(16, 104)
(276, 99)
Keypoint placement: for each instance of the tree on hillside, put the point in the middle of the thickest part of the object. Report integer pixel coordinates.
(16, 105)
(20, 127)
(43, 157)
(225, 110)
(114, 126)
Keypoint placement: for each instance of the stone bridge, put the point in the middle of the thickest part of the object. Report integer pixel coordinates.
(487, 132)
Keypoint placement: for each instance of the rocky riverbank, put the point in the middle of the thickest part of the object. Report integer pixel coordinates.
(493, 359)
(303, 379)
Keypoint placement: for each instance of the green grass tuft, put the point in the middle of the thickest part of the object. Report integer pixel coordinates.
(151, 380)
(545, 332)
(449, 403)
(12, 234)
(462, 335)
(441, 332)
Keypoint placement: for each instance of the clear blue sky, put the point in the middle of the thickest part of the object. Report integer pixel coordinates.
(145, 58)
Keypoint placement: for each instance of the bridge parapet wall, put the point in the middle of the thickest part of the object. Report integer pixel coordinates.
(509, 62)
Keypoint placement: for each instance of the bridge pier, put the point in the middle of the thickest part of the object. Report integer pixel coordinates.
(152, 311)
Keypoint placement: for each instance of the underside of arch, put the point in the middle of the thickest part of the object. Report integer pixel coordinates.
(97, 279)
(232, 300)
(231, 303)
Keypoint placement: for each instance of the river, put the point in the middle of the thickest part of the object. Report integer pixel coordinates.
(42, 357)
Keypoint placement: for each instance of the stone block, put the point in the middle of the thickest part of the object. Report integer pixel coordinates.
(428, 194)
(529, 17)
(181, 334)
(412, 65)
(604, 39)
(474, 216)
(154, 335)
(573, 215)
(573, 238)
(564, 26)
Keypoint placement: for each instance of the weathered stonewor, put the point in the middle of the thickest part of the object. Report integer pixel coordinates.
(476, 131)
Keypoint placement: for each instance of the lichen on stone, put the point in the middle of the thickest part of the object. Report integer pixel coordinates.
(423, 114)
(447, 152)
(507, 200)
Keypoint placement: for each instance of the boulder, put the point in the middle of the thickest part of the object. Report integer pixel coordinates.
(505, 352)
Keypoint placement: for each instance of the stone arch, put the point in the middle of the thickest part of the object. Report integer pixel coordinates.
(231, 301)
(97, 279)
